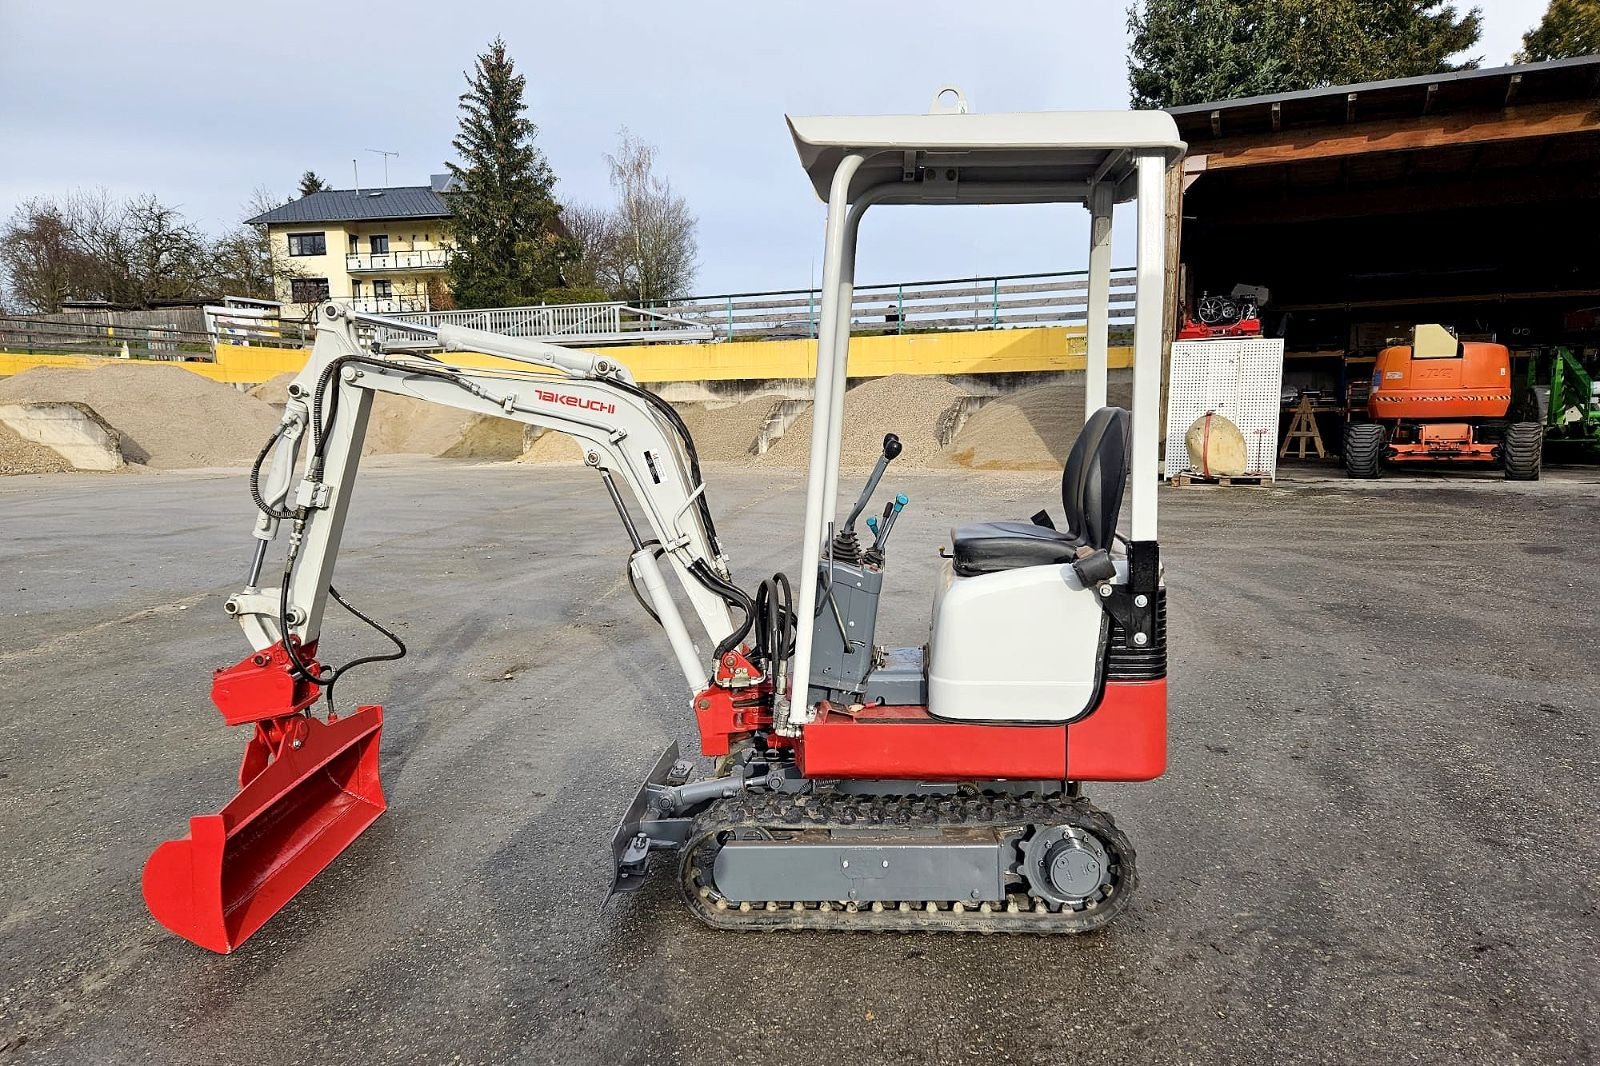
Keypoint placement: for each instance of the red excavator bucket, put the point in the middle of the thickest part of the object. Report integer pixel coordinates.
(236, 868)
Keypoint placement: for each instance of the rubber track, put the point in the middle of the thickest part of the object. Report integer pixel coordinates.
(777, 814)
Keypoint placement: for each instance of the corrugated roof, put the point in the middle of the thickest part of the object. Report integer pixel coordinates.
(1458, 90)
(363, 205)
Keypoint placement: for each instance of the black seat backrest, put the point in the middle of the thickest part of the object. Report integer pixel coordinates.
(1091, 483)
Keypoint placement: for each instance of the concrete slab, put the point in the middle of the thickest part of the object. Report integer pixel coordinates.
(72, 430)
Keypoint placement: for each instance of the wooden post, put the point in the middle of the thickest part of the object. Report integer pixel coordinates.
(1171, 297)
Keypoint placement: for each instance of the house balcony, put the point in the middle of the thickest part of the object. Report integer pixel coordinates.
(398, 304)
(387, 262)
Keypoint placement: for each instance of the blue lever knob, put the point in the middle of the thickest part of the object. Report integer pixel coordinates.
(901, 500)
(872, 522)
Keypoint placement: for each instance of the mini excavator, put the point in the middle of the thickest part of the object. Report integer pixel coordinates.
(846, 785)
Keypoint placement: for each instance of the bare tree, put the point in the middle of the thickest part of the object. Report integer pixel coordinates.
(167, 255)
(86, 245)
(657, 245)
(39, 256)
(600, 265)
(243, 262)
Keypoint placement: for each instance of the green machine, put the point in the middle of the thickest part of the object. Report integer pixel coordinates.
(1569, 404)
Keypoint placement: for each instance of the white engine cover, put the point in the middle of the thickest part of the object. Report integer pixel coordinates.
(1021, 645)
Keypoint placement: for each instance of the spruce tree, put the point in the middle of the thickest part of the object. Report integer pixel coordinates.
(509, 247)
(1569, 28)
(311, 182)
(1194, 51)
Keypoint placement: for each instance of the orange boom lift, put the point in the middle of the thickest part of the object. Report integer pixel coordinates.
(1442, 400)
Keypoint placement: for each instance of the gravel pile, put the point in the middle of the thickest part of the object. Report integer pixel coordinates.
(168, 418)
(18, 455)
(727, 432)
(905, 404)
(1030, 429)
(722, 432)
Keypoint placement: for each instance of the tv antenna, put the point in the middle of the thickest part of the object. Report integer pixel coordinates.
(386, 155)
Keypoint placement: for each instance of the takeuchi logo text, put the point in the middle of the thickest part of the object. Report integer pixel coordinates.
(576, 401)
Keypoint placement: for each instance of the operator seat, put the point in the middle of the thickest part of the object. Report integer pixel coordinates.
(1091, 496)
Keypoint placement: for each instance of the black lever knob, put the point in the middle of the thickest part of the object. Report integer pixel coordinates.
(891, 445)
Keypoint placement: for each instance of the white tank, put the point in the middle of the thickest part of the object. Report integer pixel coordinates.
(1021, 645)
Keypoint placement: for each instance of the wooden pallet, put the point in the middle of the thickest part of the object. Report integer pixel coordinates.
(1253, 481)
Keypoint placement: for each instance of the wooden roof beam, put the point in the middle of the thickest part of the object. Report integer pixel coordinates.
(1513, 83)
(1429, 100)
(1403, 134)
(1350, 107)
(1277, 115)
(1216, 123)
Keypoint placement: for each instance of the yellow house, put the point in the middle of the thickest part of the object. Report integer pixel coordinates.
(381, 250)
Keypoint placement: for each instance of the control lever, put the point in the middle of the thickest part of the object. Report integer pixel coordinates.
(890, 513)
(891, 449)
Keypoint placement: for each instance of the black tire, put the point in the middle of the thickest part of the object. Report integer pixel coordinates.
(1523, 451)
(1363, 450)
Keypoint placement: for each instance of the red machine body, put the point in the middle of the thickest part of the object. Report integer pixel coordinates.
(1124, 738)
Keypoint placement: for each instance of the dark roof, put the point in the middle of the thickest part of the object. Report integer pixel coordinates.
(1460, 90)
(358, 205)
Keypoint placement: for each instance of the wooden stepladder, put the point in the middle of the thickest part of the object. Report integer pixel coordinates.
(1303, 428)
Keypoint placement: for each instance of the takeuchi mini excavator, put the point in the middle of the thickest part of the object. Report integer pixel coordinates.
(1442, 400)
(844, 784)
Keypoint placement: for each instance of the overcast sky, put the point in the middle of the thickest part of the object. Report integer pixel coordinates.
(202, 102)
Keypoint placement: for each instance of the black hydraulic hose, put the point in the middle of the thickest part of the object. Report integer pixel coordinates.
(296, 667)
(398, 653)
(733, 596)
(670, 413)
(255, 478)
(786, 616)
(326, 681)
(633, 584)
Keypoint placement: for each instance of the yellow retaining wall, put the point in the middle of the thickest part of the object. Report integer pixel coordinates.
(977, 352)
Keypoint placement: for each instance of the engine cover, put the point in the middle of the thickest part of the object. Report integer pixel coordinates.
(1023, 645)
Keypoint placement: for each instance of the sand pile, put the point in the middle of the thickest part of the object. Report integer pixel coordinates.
(168, 418)
(400, 425)
(904, 404)
(1030, 429)
(552, 447)
(21, 456)
(275, 390)
(728, 431)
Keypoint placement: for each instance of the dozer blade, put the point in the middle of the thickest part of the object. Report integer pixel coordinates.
(236, 868)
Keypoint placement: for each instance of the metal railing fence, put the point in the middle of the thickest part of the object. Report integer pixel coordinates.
(999, 302)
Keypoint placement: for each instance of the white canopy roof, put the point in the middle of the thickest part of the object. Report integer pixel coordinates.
(1033, 148)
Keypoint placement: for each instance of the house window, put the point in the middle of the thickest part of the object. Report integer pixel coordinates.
(308, 244)
(308, 290)
(380, 243)
(355, 243)
(382, 289)
(355, 287)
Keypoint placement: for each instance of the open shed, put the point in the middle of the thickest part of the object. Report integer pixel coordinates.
(1470, 199)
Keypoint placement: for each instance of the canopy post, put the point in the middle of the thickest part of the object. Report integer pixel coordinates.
(822, 473)
(1149, 314)
(1098, 319)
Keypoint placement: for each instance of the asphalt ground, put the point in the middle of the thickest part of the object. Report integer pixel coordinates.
(1376, 841)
